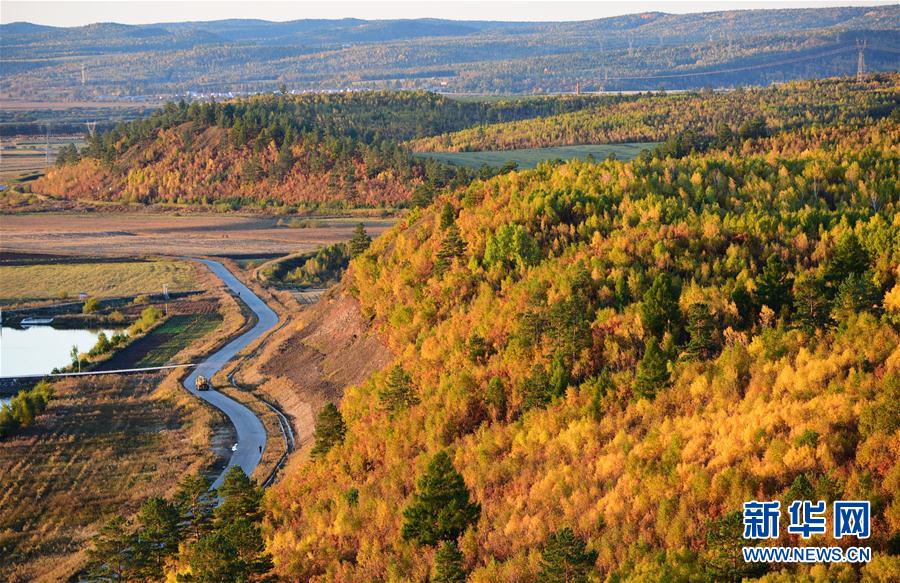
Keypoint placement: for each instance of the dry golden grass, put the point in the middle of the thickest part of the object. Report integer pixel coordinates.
(147, 233)
(103, 446)
(50, 281)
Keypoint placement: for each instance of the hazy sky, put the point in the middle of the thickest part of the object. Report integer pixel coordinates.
(78, 12)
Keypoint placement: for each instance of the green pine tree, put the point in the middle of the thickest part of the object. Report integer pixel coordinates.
(360, 241)
(214, 558)
(723, 558)
(158, 535)
(448, 564)
(233, 549)
(452, 247)
(855, 294)
(111, 554)
(659, 310)
(773, 286)
(448, 215)
(195, 503)
(536, 389)
(422, 196)
(652, 371)
(241, 498)
(811, 306)
(495, 398)
(801, 489)
(441, 509)
(285, 160)
(849, 257)
(565, 559)
(330, 430)
(398, 392)
(700, 330)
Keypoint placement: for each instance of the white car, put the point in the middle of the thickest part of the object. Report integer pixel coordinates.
(234, 447)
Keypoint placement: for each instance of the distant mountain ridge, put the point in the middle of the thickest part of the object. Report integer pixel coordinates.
(652, 50)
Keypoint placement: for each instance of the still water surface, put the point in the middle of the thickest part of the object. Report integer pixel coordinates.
(40, 349)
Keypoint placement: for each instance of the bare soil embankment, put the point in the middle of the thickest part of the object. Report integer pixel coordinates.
(310, 361)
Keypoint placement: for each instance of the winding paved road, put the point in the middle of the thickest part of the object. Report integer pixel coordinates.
(251, 435)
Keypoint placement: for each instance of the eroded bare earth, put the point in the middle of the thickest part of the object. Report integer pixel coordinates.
(311, 361)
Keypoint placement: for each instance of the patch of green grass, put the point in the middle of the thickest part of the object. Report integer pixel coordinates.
(49, 281)
(533, 156)
(176, 334)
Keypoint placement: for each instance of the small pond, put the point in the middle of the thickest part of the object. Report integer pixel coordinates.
(40, 349)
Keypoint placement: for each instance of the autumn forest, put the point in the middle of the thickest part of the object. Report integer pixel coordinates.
(591, 364)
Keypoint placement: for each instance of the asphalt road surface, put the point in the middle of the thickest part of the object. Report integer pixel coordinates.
(251, 435)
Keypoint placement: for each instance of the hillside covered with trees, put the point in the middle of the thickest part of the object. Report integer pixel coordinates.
(332, 150)
(645, 51)
(350, 150)
(598, 363)
(707, 116)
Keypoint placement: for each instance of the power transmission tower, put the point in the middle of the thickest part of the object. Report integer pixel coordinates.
(91, 126)
(861, 61)
(47, 151)
(83, 76)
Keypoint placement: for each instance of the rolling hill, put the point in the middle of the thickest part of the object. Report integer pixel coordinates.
(627, 350)
(634, 52)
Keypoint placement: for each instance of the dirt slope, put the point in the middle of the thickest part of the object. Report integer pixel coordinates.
(313, 359)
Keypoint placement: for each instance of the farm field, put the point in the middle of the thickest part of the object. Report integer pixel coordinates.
(103, 446)
(38, 282)
(119, 234)
(533, 156)
(26, 157)
(176, 334)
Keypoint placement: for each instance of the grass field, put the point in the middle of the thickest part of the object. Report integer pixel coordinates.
(532, 157)
(103, 446)
(176, 334)
(34, 282)
(165, 341)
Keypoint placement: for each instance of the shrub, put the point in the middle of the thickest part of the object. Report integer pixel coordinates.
(91, 305)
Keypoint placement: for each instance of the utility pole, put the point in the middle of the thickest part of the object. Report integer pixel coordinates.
(47, 151)
(861, 61)
(166, 296)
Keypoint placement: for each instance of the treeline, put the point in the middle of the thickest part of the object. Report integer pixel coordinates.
(616, 356)
(657, 118)
(24, 407)
(369, 117)
(335, 150)
(199, 535)
(321, 268)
